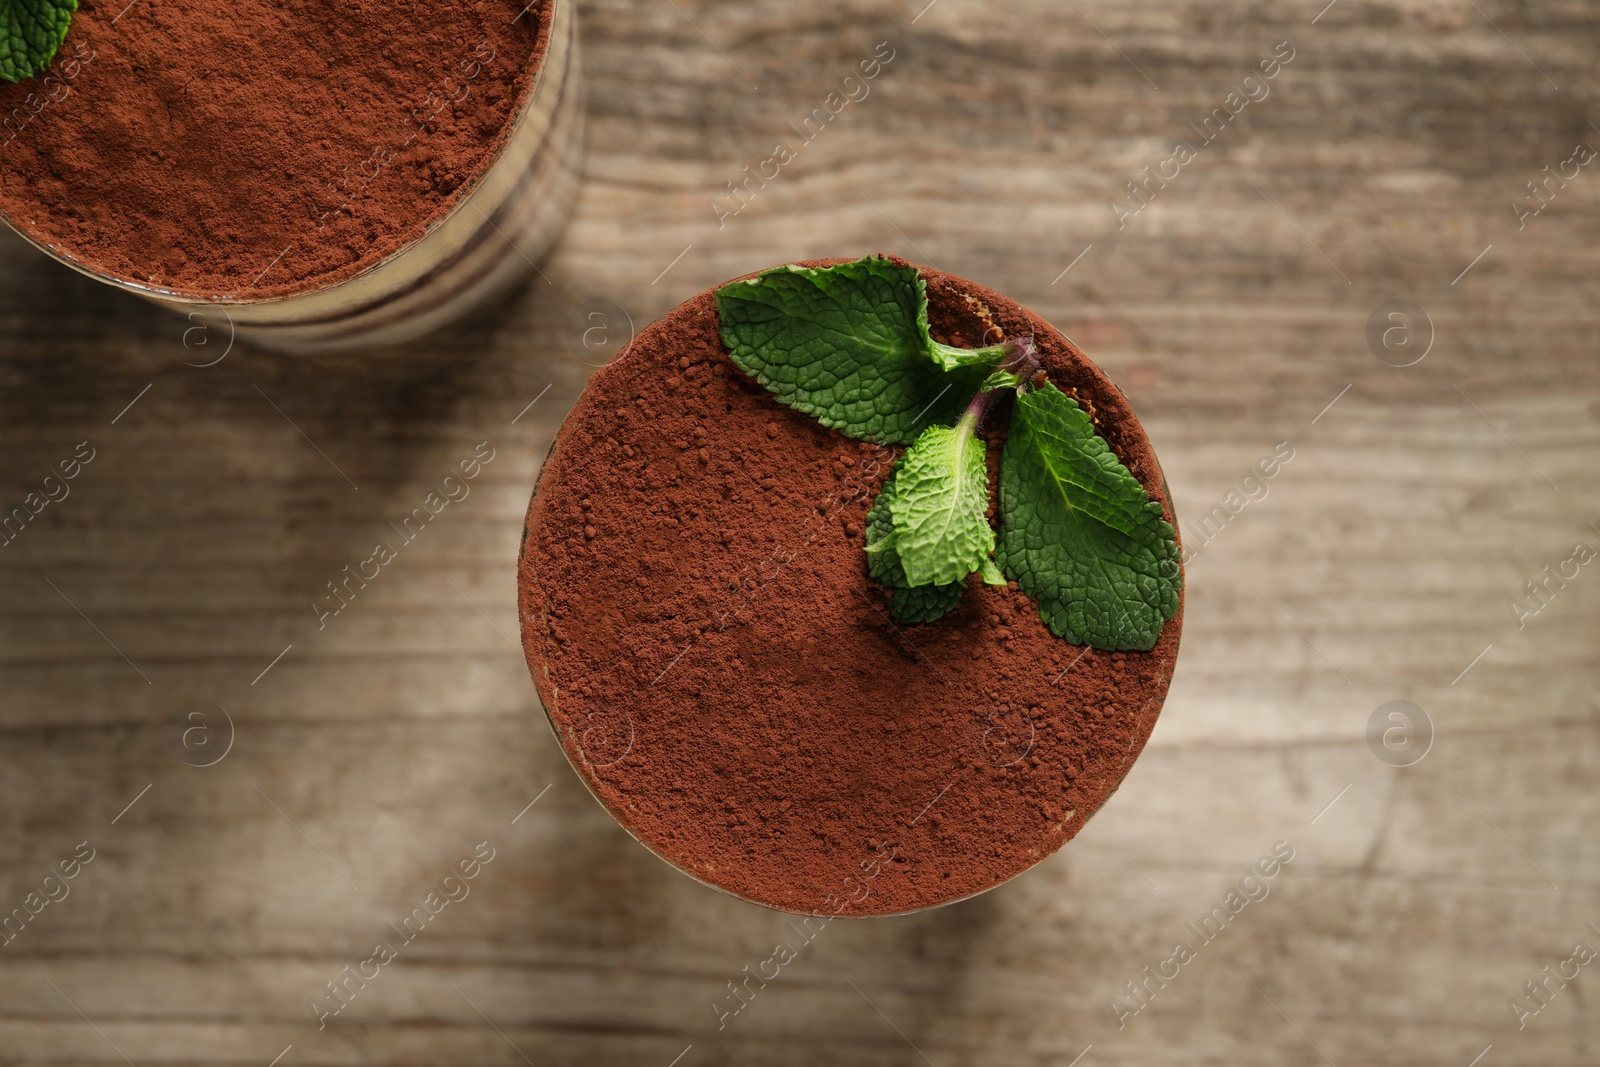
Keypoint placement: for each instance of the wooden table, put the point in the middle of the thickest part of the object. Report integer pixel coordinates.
(371, 755)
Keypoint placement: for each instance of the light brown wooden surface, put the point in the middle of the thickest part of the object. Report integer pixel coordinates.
(380, 750)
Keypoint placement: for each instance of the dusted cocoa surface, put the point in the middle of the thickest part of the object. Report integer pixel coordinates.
(720, 669)
(247, 148)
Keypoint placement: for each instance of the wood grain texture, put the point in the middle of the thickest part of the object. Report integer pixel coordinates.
(380, 749)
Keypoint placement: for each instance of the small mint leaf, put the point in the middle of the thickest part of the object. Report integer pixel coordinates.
(1000, 378)
(1078, 533)
(846, 344)
(951, 358)
(991, 573)
(31, 32)
(908, 604)
(940, 505)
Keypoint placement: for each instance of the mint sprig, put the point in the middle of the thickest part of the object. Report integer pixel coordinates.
(31, 32)
(849, 344)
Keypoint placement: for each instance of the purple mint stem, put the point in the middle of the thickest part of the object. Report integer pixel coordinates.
(1022, 361)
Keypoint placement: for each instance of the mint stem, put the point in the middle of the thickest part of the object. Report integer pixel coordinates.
(1020, 360)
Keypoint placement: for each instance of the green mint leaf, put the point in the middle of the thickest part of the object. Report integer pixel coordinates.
(908, 604)
(847, 345)
(31, 31)
(952, 358)
(1078, 533)
(991, 573)
(940, 505)
(1000, 378)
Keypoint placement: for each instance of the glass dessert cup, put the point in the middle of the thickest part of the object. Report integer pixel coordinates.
(720, 671)
(508, 216)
